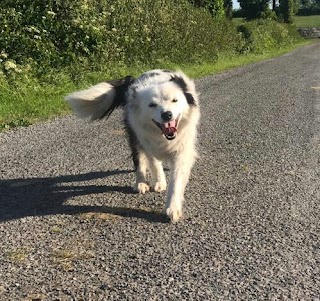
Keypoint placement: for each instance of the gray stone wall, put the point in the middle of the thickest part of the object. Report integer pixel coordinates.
(312, 32)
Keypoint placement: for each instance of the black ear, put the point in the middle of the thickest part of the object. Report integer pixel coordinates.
(120, 87)
(179, 81)
(190, 98)
(122, 83)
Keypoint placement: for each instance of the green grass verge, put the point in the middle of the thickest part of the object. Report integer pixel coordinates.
(230, 62)
(307, 21)
(27, 101)
(298, 21)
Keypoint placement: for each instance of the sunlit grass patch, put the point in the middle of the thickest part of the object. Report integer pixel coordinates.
(307, 21)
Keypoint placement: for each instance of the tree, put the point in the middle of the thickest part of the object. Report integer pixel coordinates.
(286, 10)
(254, 9)
(228, 8)
(306, 3)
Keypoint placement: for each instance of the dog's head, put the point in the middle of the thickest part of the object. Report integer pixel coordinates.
(165, 104)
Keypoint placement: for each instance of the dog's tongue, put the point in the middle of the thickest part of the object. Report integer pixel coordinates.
(169, 128)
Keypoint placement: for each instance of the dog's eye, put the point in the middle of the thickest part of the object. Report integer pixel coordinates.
(152, 105)
(175, 100)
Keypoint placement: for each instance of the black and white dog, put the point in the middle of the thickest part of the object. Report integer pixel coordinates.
(161, 118)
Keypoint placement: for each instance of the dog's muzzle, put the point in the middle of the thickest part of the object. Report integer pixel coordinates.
(169, 129)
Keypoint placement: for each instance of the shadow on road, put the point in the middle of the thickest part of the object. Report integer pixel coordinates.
(46, 196)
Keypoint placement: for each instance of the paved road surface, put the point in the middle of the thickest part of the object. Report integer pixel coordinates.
(72, 229)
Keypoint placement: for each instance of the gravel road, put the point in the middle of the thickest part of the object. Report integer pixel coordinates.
(72, 229)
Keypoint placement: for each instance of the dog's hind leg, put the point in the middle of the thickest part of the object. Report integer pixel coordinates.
(157, 175)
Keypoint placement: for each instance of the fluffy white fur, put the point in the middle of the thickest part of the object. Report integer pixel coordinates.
(145, 100)
(91, 103)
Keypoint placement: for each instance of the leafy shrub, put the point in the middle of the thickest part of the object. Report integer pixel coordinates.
(263, 35)
(41, 37)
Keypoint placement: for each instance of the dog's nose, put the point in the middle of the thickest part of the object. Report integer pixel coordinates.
(167, 116)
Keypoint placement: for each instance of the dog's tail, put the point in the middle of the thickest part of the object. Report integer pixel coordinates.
(100, 100)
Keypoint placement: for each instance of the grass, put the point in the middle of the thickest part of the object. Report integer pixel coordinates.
(227, 63)
(27, 101)
(307, 21)
(299, 21)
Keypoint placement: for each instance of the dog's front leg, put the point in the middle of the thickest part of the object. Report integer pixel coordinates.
(181, 168)
(140, 161)
(141, 173)
(157, 174)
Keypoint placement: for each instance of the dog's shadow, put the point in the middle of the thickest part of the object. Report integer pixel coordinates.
(46, 196)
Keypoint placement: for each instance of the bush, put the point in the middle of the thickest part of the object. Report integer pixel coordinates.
(263, 35)
(79, 36)
(253, 9)
(40, 35)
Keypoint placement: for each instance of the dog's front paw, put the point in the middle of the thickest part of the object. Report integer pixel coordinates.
(173, 213)
(142, 188)
(160, 186)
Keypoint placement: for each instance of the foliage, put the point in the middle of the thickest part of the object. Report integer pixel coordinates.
(37, 36)
(238, 13)
(80, 36)
(228, 8)
(263, 35)
(310, 6)
(215, 7)
(286, 8)
(254, 9)
(309, 11)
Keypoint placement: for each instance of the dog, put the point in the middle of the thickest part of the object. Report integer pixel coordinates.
(161, 118)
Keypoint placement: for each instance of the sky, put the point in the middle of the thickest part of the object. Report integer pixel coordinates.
(235, 4)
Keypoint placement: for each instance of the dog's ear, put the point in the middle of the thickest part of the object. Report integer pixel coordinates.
(187, 86)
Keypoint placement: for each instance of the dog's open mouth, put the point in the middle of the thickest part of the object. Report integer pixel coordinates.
(168, 129)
